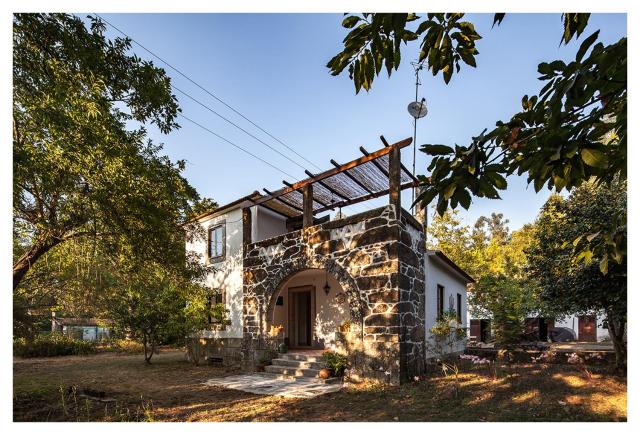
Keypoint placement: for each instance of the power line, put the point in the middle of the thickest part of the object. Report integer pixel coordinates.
(235, 145)
(235, 125)
(216, 97)
(226, 119)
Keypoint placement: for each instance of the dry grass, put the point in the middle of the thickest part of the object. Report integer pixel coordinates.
(172, 390)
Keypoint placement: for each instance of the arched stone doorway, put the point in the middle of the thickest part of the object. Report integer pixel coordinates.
(313, 309)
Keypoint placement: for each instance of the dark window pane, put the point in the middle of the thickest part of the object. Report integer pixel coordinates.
(440, 300)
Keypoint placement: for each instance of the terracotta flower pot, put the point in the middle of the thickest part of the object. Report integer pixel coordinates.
(324, 374)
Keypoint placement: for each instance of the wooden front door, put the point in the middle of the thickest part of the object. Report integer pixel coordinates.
(587, 328)
(301, 316)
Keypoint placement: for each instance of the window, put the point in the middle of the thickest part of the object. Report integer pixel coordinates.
(440, 301)
(215, 299)
(216, 249)
(459, 307)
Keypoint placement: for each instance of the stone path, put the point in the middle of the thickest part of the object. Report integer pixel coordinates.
(264, 383)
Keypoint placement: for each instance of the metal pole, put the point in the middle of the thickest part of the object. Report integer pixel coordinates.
(415, 127)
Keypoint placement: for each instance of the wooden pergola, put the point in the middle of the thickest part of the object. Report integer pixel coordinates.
(373, 175)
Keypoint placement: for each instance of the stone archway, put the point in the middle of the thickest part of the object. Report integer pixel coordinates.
(357, 305)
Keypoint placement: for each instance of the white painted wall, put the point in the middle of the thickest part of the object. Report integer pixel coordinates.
(438, 272)
(266, 224)
(571, 322)
(228, 274)
(330, 313)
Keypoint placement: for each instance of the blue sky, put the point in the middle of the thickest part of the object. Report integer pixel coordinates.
(271, 67)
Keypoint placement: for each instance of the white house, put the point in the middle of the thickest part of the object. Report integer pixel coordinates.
(363, 285)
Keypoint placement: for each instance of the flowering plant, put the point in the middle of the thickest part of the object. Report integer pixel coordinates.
(475, 359)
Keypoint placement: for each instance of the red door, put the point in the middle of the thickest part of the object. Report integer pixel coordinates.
(587, 328)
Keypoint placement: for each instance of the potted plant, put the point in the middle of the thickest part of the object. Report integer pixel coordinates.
(276, 332)
(336, 363)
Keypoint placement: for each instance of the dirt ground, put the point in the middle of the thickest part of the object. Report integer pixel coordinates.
(171, 389)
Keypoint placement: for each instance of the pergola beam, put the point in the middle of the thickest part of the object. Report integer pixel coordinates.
(316, 199)
(375, 162)
(326, 186)
(404, 168)
(374, 195)
(340, 169)
(351, 177)
(287, 203)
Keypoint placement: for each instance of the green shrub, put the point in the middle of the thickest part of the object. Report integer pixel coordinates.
(336, 362)
(122, 345)
(51, 345)
(267, 357)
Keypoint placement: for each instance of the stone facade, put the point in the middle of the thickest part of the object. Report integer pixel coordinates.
(378, 259)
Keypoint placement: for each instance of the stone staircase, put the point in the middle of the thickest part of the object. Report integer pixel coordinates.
(298, 365)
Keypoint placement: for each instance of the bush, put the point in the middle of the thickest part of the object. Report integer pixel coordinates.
(51, 345)
(122, 345)
(267, 357)
(336, 362)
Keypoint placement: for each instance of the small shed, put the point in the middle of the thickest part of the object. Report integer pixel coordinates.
(82, 328)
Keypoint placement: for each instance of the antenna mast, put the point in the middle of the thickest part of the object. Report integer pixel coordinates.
(417, 109)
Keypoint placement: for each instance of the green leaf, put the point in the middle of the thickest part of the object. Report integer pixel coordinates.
(604, 265)
(468, 58)
(497, 19)
(449, 191)
(593, 157)
(350, 21)
(435, 150)
(464, 198)
(586, 44)
(427, 196)
(498, 180)
(442, 206)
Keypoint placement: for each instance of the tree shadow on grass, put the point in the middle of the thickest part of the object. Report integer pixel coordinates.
(174, 390)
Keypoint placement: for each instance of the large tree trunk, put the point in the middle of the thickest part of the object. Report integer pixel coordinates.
(616, 328)
(24, 263)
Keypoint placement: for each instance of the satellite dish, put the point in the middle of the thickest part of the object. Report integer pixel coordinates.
(417, 109)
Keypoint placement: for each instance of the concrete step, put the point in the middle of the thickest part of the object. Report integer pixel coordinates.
(293, 371)
(301, 364)
(301, 357)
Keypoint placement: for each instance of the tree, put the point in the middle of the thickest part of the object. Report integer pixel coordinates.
(447, 234)
(496, 258)
(155, 305)
(79, 170)
(575, 129)
(508, 300)
(573, 285)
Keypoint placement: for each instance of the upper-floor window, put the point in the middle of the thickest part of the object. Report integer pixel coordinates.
(216, 245)
(440, 300)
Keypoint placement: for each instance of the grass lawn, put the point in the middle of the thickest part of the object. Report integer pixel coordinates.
(171, 389)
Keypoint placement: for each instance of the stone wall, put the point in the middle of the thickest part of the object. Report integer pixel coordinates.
(377, 260)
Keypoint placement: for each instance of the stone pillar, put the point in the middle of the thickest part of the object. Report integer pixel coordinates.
(394, 179)
(307, 206)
